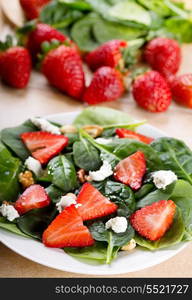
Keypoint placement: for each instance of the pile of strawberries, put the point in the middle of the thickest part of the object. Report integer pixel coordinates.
(61, 62)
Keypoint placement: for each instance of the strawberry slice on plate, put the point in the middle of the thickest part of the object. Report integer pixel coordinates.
(44, 145)
(131, 170)
(33, 197)
(67, 230)
(93, 203)
(154, 220)
(126, 133)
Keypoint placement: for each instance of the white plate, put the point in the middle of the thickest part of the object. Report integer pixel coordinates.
(57, 259)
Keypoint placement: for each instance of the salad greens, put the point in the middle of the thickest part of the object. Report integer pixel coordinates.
(92, 22)
(83, 151)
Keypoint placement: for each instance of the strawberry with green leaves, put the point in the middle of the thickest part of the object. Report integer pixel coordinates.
(15, 64)
(108, 54)
(151, 92)
(107, 85)
(63, 68)
(32, 8)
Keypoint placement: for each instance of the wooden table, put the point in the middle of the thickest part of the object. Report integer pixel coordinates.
(39, 99)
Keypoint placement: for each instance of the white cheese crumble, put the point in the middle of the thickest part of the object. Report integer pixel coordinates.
(9, 212)
(33, 165)
(117, 224)
(104, 172)
(163, 178)
(65, 201)
(103, 141)
(45, 125)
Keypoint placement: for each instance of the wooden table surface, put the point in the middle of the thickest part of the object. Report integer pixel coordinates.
(39, 99)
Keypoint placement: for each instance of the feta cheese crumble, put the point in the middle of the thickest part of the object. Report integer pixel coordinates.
(9, 212)
(117, 224)
(45, 125)
(65, 201)
(33, 165)
(163, 178)
(104, 172)
(103, 141)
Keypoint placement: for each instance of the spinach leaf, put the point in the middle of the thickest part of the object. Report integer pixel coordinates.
(182, 196)
(130, 11)
(81, 32)
(157, 6)
(144, 190)
(175, 156)
(34, 222)
(76, 4)
(172, 237)
(86, 155)
(96, 253)
(11, 138)
(12, 227)
(180, 27)
(105, 31)
(9, 170)
(54, 193)
(113, 239)
(63, 173)
(119, 193)
(101, 116)
(156, 195)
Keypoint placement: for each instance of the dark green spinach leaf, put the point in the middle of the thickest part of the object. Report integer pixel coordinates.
(12, 227)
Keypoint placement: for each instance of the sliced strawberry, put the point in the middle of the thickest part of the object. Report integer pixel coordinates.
(131, 170)
(67, 230)
(94, 204)
(154, 220)
(125, 133)
(33, 197)
(44, 145)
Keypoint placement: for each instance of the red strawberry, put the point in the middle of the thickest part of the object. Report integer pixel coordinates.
(181, 87)
(94, 204)
(152, 92)
(126, 133)
(15, 67)
(131, 170)
(108, 54)
(33, 197)
(154, 220)
(163, 55)
(67, 230)
(64, 70)
(40, 34)
(106, 85)
(32, 8)
(44, 145)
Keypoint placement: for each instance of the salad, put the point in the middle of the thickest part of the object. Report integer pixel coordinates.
(96, 187)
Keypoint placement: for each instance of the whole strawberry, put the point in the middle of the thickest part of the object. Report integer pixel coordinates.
(33, 35)
(108, 54)
(15, 65)
(163, 55)
(152, 92)
(181, 87)
(32, 8)
(64, 70)
(106, 85)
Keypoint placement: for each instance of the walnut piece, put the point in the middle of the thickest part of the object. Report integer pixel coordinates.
(81, 174)
(93, 130)
(68, 129)
(26, 179)
(129, 246)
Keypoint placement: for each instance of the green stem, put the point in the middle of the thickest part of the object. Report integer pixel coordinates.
(109, 249)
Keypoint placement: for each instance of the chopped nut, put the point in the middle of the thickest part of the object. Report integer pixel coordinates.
(68, 129)
(81, 174)
(26, 179)
(129, 246)
(93, 130)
